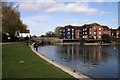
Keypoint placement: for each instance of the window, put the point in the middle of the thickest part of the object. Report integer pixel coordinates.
(94, 33)
(117, 33)
(90, 32)
(72, 33)
(99, 36)
(99, 28)
(72, 37)
(99, 32)
(94, 27)
(85, 28)
(112, 34)
(68, 32)
(85, 32)
(63, 30)
(68, 29)
(95, 37)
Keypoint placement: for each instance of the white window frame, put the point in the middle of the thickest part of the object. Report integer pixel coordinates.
(86, 29)
(99, 32)
(117, 33)
(99, 36)
(90, 32)
(94, 27)
(95, 37)
(83, 29)
(99, 28)
(68, 29)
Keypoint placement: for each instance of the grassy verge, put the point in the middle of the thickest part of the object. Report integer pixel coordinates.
(33, 66)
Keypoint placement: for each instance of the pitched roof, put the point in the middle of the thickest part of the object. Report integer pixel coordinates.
(118, 28)
(105, 27)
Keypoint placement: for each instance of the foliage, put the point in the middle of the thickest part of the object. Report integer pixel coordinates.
(50, 34)
(106, 38)
(82, 41)
(91, 37)
(57, 31)
(43, 35)
(11, 19)
(113, 39)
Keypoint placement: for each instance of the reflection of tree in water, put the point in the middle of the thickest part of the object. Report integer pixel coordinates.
(88, 54)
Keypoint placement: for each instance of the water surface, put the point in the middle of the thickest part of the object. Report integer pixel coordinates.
(94, 61)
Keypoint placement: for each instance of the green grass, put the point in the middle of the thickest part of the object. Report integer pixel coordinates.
(33, 66)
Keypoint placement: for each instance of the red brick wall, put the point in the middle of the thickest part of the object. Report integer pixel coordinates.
(96, 31)
(77, 34)
(118, 34)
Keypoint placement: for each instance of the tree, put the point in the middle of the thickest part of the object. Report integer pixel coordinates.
(106, 38)
(11, 19)
(50, 34)
(91, 37)
(82, 41)
(57, 31)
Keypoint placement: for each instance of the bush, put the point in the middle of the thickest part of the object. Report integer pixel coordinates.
(82, 41)
(106, 38)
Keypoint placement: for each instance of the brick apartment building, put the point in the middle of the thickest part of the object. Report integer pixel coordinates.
(118, 32)
(70, 32)
(96, 30)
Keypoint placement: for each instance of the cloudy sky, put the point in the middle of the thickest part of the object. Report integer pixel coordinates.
(43, 16)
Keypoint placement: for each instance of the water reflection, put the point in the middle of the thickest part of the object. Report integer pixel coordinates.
(88, 54)
(95, 61)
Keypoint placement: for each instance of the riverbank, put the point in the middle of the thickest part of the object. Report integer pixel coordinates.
(19, 61)
(62, 67)
(77, 43)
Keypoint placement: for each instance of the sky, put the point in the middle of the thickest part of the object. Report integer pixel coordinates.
(44, 16)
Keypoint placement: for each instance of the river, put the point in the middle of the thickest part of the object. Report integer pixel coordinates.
(94, 61)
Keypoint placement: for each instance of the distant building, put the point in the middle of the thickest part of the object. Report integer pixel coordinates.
(21, 35)
(113, 32)
(67, 32)
(96, 30)
(118, 33)
(70, 32)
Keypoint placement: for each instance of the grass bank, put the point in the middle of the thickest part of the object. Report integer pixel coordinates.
(33, 66)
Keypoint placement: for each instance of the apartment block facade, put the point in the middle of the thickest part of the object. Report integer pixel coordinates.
(96, 30)
(70, 32)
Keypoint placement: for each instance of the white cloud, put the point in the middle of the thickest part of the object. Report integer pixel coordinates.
(99, 0)
(103, 12)
(53, 7)
(37, 24)
(37, 19)
(75, 21)
(75, 8)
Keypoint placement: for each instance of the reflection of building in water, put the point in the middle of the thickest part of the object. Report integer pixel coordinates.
(87, 54)
(93, 55)
(96, 56)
